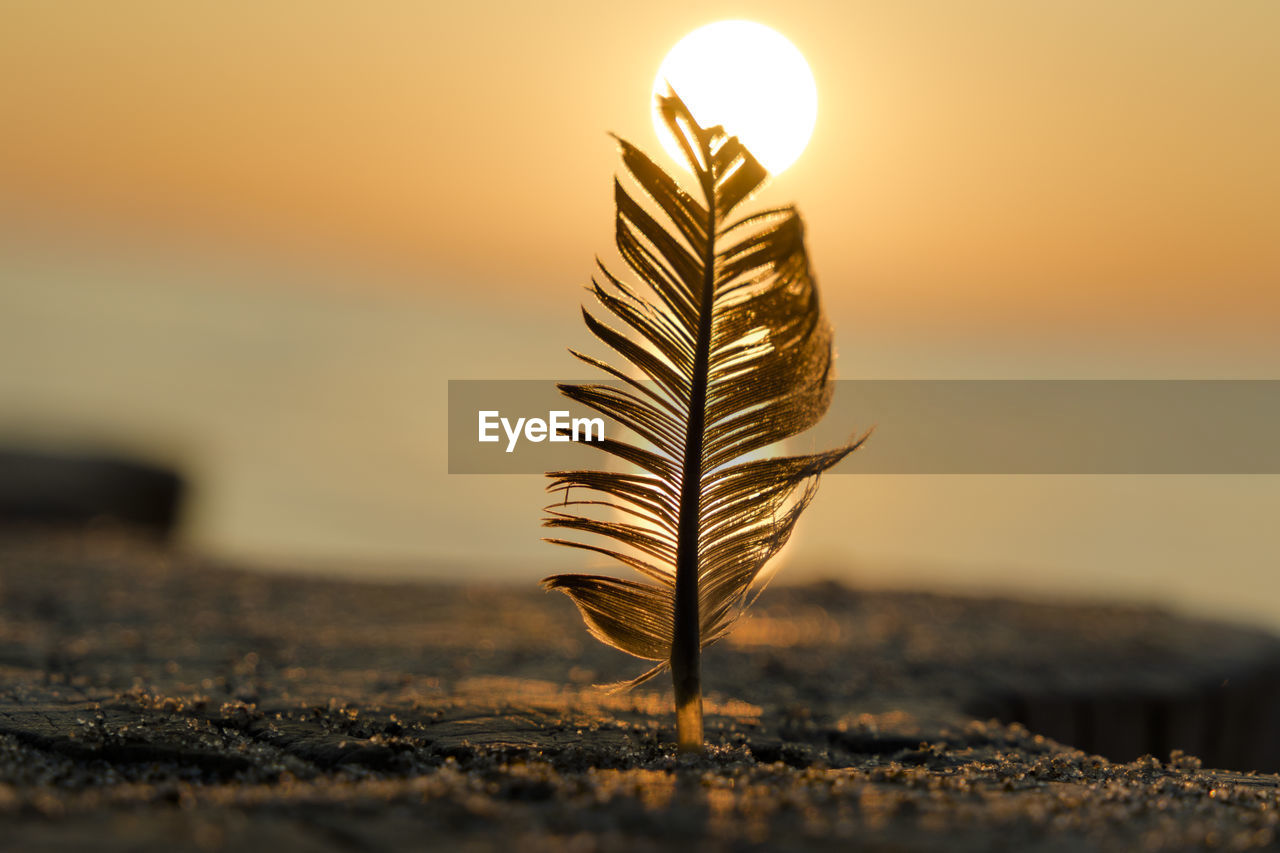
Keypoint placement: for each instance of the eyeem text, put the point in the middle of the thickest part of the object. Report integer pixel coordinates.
(557, 427)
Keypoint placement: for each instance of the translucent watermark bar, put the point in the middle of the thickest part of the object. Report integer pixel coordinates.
(927, 427)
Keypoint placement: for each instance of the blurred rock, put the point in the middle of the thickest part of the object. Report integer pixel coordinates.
(80, 490)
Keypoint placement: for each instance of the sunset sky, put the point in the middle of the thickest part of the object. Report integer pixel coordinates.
(1005, 163)
(263, 235)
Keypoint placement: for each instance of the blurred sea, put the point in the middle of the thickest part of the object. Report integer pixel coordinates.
(310, 414)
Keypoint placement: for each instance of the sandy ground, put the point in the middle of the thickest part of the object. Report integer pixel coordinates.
(150, 701)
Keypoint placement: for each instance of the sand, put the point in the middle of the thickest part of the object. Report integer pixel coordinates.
(155, 701)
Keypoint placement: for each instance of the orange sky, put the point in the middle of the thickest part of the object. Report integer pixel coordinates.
(1001, 163)
(994, 189)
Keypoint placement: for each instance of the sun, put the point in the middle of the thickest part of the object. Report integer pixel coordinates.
(748, 78)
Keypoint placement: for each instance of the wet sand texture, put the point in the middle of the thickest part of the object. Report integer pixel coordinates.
(152, 702)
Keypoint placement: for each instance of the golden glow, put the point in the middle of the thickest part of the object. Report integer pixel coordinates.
(748, 78)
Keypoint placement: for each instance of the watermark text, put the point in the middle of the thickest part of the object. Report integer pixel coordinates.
(558, 426)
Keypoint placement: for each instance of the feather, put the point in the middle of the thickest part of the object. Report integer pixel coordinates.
(736, 355)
